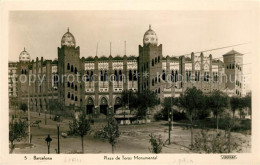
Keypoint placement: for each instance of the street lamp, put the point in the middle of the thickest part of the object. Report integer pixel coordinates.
(58, 129)
(48, 140)
(45, 117)
(169, 128)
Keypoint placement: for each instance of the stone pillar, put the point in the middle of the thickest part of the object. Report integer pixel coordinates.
(96, 84)
(110, 86)
(168, 72)
(201, 70)
(125, 73)
(210, 72)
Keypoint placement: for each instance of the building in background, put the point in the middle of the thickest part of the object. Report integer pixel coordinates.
(78, 83)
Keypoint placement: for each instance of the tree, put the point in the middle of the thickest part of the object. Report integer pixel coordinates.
(193, 101)
(217, 102)
(17, 131)
(237, 103)
(110, 132)
(145, 101)
(167, 104)
(248, 103)
(142, 101)
(129, 98)
(23, 107)
(80, 127)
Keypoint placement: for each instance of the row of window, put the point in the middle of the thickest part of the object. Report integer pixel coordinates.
(71, 96)
(232, 66)
(158, 90)
(197, 76)
(72, 69)
(156, 60)
(24, 71)
(72, 86)
(238, 83)
(238, 92)
(118, 76)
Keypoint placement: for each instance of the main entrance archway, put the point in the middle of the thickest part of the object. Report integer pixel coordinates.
(118, 104)
(90, 106)
(103, 106)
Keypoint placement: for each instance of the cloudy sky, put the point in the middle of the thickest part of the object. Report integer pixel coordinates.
(180, 32)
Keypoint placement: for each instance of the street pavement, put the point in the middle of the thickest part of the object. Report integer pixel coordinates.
(133, 138)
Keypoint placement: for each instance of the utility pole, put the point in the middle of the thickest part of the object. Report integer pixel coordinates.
(29, 122)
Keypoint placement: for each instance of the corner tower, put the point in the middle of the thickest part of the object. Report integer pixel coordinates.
(69, 67)
(150, 63)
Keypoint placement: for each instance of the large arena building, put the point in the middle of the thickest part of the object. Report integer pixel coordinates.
(95, 83)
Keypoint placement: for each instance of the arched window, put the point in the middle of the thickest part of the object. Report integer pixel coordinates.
(68, 84)
(75, 71)
(76, 87)
(172, 76)
(72, 85)
(158, 59)
(87, 76)
(155, 80)
(101, 76)
(22, 71)
(155, 90)
(68, 94)
(159, 90)
(25, 72)
(135, 75)
(152, 82)
(130, 75)
(176, 76)
(91, 76)
(163, 75)
(71, 68)
(230, 66)
(152, 62)
(76, 98)
(105, 76)
(233, 66)
(115, 76)
(68, 66)
(72, 97)
(155, 60)
(120, 75)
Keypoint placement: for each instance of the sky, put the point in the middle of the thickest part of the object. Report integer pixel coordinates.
(179, 32)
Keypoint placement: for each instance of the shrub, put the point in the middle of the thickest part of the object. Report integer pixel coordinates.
(206, 142)
(156, 143)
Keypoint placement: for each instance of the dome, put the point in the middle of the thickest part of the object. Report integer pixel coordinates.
(68, 40)
(24, 56)
(150, 37)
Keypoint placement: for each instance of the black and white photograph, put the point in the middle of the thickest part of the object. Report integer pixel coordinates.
(131, 85)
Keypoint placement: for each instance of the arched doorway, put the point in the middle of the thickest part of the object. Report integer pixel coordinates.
(103, 106)
(90, 106)
(118, 104)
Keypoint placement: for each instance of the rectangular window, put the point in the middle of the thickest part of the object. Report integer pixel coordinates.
(197, 75)
(206, 76)
(188, 75)
(215, 76)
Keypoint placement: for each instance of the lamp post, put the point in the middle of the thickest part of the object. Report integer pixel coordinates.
(169, 128)
(48, 140)
(45, 117)
(58, 129)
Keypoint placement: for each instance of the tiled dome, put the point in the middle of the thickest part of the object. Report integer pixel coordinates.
(150, 37)
(24, 56)
(68, 40)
